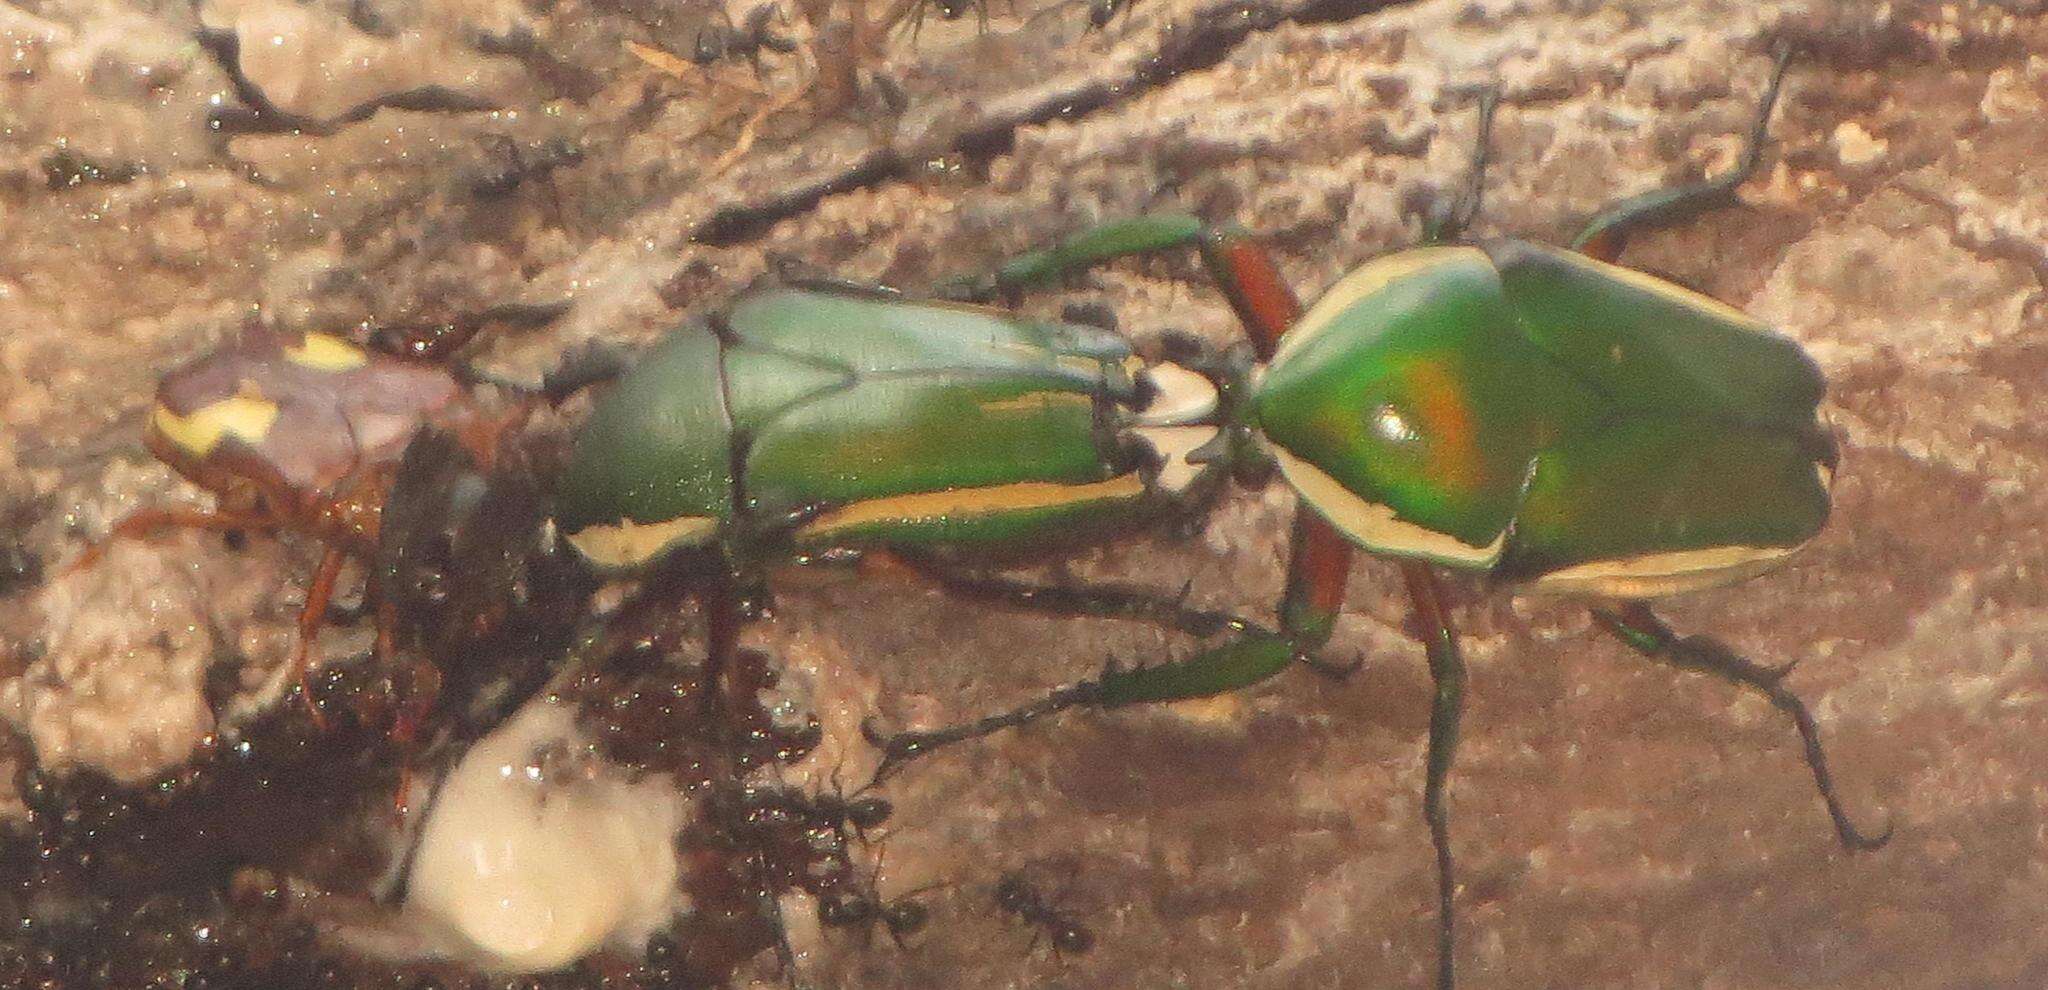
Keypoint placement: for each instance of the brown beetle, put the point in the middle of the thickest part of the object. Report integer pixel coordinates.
(302, 433)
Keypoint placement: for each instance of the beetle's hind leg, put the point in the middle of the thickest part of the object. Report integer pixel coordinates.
(1641, 629)
(1605, 235)
(1098, 601)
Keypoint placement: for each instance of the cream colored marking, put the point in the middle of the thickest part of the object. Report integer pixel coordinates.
(1034, 401)
(1080, 363)
(1182, 396)
(970, 503)
(1018, 347)
(1653, 575)
(627, 544)
(247, 418)
(323, 352)
(1375, 527)
(1173, 444)
(1371, 278)
(1659, 287)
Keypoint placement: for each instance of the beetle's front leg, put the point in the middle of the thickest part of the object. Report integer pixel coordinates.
(1638, 627)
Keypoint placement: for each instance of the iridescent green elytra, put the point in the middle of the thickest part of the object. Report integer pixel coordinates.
(810, 417)
(1551, 419)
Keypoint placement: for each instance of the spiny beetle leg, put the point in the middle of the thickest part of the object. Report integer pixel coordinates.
(1447, 672)
(1635, 625)
(1608, 232)
(902, 747)
(1101, 601)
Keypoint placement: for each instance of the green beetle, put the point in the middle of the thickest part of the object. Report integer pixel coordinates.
(811, 418)
(1538, 416)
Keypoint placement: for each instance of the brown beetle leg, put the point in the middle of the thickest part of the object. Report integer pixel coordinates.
(145, 522)
(311, 617)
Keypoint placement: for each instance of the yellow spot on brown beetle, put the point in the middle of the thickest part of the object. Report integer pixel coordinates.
(325, 352)
(244, 417)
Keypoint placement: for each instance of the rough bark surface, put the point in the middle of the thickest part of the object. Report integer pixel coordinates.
(168, 169)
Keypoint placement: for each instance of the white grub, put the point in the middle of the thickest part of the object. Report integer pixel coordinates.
(536, 852)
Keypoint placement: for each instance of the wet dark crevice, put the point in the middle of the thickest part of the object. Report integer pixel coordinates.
(257, 114)
(1200, 42)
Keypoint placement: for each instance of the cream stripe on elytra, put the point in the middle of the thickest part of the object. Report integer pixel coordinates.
(970, 503)
(1653, 575)
(1375, 527)
(1659, 287)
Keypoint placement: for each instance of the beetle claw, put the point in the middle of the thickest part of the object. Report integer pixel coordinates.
(1331, 669)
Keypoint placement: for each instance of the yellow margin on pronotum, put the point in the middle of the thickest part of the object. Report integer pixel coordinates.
(1372, 277)
(970, 503)
(630, 544)
(247, 418)
(1375, 527)
(1653, 575)
(323, 352)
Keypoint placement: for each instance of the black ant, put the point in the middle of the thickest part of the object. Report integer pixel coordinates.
(1018, 896)
(864, 909)
(746, 41)
(902, 916)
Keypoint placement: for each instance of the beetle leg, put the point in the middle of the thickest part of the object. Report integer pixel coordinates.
(1608, 231)
(145, 522)
(1635, 625)
(1447, 672)
(1447, 225)
(311, 616)
(1100, 601)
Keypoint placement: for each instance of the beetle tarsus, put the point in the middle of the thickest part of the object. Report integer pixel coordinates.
(1332, 669)
(902, 747)
(1647, 634)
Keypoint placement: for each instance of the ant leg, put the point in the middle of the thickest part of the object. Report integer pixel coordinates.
(1608, 232)
(1641, 630)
